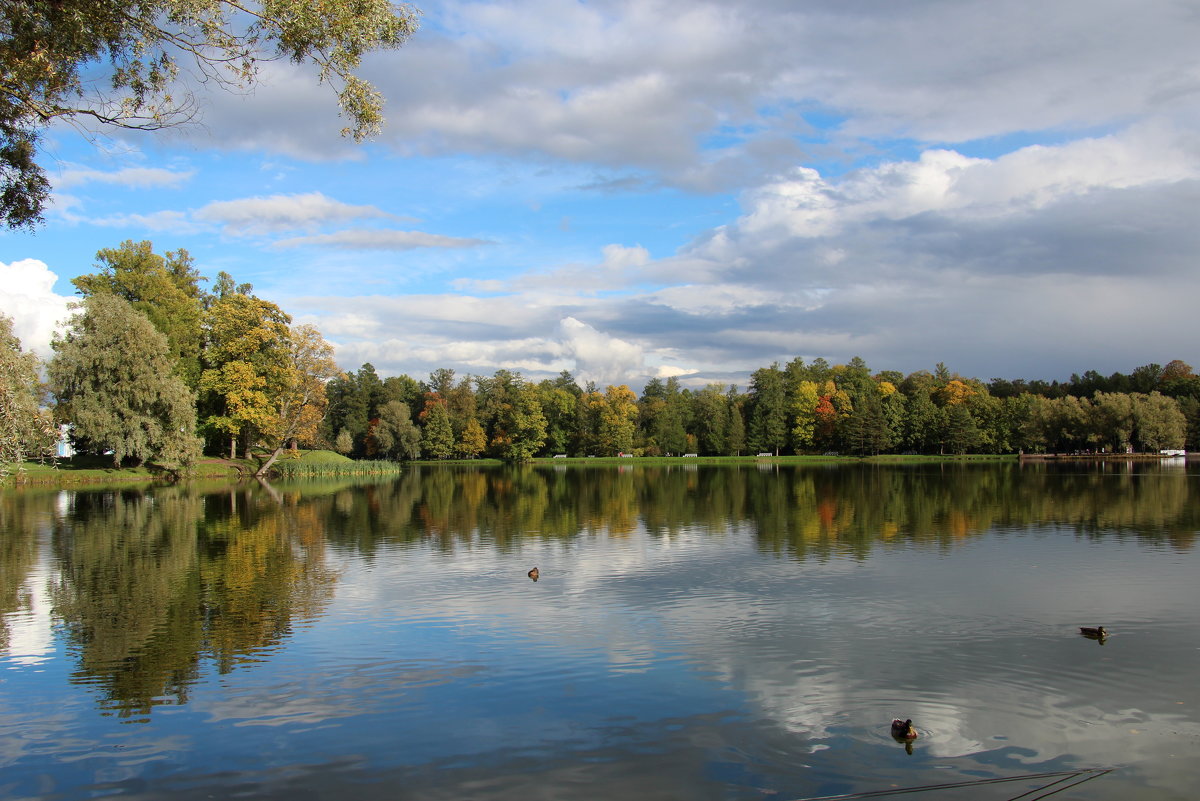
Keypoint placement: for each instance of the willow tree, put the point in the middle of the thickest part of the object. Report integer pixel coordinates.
(26, 431)
(115, 381)
(126, 64)
(164, 288)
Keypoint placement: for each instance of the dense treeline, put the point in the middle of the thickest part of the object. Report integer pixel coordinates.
(797, 408)
(153, 367)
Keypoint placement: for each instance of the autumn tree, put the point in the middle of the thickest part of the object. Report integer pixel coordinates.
(248, 366)
(117, 63)
(26, 431)
(618, 420)
(804, 414)
(472, 442)
(114, 378)
(300, 403)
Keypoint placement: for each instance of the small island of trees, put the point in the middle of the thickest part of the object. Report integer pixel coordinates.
(153, 368)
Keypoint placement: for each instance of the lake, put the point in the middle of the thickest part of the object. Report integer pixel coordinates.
(695, 632)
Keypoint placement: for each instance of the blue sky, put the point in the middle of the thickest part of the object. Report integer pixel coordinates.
(631, 189)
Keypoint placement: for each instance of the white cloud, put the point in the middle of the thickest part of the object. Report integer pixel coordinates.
(29, 299)
(380, 240)
(601, 357)
(707, 94)
(276, 213)
(133, 177)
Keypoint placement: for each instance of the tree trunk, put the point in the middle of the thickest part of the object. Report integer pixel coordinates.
(233, 446)
(262, 471)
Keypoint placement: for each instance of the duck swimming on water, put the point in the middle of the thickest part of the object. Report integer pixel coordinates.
(1095, 632)
(903, 729)
(533, 574)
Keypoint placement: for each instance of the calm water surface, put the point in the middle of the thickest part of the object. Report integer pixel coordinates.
(696, 633)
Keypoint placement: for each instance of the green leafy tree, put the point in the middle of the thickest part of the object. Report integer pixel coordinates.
(53, 52)
(114, 378)
(558, 404)
(768, 410)
(1158, 422)
(520, 425)
(711, 413)
(735, 432)
(437, 435)
(164, 288)
(397, 436)
(26, 431)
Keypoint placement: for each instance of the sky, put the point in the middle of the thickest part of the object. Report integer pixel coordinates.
(631, 189)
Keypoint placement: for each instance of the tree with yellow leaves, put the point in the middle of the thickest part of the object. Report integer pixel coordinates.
(301, 404)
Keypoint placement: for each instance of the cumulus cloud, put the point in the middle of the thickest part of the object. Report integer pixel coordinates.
(600, 357)
(980, 263)
(29, 299)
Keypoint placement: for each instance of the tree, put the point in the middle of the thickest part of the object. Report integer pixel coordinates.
(437, 436)
(1158, 422)
(473, 441)
(804, 414)
(618, 420)
(520, 426)
(114, 378)
(51, 53)
(248, 366)
(396, 434)
(301, 403)
(712, 420)
(768, 410)
(26, 431)
(164, 288)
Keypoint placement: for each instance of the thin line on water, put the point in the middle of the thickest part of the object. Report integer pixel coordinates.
(1060, 776)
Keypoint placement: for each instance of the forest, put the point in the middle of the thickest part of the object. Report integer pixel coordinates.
(154, 368)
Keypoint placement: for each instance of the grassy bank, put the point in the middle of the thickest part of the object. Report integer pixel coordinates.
(100, 470)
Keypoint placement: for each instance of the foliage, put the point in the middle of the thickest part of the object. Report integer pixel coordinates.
(301, 402)
(52, 51)
(437, 436)
(164, 288)
(113, 375)
(26, 431)
(248, 366)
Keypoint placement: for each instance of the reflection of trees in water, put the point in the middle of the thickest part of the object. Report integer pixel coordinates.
(806, 511)
(19, 521)
(150, 583)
